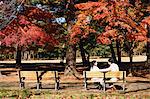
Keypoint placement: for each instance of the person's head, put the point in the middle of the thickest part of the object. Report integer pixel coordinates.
(110, 61)
(94, 63)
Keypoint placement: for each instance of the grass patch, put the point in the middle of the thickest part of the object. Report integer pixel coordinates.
(77, 94)
(8, 93)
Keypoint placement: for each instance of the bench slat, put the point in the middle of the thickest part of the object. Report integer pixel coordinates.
(118, 74)
(107, 81)
(91, 74)
(28, 74)
(48, 81)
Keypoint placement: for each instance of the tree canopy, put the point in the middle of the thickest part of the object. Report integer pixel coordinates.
(110, 20)
(25, 31)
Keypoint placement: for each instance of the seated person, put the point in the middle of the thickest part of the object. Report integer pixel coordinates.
(96, 80)
(94, 66)
(113, 67)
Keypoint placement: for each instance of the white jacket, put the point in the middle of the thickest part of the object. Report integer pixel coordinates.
(113, 67)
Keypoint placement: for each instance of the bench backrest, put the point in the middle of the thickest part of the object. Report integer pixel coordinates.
(92, 74)
(118, 74)
(29, 75)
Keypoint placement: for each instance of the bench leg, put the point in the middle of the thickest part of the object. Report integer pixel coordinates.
(38, 86)
(104, 87)
(123, 87)
(85, 85)
(56, 85)
(21, 85)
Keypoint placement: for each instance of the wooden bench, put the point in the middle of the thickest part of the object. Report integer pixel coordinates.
(121, 75)
(38, 77)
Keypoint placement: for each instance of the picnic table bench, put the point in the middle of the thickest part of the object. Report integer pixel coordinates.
(38, 77)
(121, 75)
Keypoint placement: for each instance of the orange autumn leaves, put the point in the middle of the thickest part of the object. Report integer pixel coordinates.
(117, 19)
(105, 38)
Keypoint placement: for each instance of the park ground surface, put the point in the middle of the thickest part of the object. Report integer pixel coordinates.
(70, 88)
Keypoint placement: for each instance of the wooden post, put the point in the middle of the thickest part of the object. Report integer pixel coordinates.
(21, 83)
(56, 82)
(38, 81)
(85, 83)
(124, 75)
(104, 81)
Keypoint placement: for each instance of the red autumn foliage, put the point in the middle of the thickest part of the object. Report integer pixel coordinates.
(147, 20)
(110, 33)
(103, 40)
(78, 32)
(23, 20)
(37, 13)
(22, 32)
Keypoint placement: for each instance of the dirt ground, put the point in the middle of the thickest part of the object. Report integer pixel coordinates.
(134, 85)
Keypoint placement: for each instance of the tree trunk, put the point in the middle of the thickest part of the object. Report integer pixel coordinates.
(18, 57)
(131, 60)
(85, 59)
(70, 69)
(148, 46)
(113, 52)
(118, 52)
(131, 56)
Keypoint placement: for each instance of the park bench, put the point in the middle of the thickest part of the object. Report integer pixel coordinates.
(121, 75)
(38, 77)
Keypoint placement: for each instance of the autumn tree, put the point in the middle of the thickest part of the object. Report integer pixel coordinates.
(29, 18)
(72, 45)
(112, 22)
(67, 10)
(71, 48)
(24, 31)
